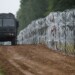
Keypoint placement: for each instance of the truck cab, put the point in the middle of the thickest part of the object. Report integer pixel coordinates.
(8, 28)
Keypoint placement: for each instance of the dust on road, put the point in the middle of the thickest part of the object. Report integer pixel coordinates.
(35, 60)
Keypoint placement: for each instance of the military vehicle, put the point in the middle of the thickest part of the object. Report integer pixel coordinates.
(8, 28)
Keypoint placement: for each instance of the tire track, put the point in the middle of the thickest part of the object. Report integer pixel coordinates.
(35, 60)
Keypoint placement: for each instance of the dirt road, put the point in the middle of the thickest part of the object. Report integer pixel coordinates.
(35, 60)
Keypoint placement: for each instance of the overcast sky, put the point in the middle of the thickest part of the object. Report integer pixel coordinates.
(7, 6)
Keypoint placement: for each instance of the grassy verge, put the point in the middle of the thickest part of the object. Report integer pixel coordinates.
(1, 72)
(69, 48)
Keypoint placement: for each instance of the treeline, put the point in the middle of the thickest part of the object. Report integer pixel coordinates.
(60, 5)
(34, 9)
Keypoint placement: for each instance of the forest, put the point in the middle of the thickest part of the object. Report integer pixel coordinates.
(34, 9)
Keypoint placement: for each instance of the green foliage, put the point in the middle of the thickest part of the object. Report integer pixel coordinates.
(34, 9)
(1, 72)
(31, 10)
(60, 5)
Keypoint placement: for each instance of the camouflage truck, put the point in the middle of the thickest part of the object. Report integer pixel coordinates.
(8, 28)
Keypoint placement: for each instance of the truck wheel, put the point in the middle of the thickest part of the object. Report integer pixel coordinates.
(13, 42)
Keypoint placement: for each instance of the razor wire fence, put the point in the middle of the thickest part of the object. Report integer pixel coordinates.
(57, 31)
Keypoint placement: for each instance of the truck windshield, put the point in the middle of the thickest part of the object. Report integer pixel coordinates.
(0, 22)
(8, 22)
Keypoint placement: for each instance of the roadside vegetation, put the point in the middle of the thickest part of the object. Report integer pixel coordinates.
(1, 72)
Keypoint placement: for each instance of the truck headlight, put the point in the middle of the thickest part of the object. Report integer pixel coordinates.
(11, 34)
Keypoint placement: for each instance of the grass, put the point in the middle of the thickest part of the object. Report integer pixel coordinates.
(69, 48)
(1, 72)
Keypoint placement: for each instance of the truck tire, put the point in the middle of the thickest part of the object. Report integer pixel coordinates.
(13, 42)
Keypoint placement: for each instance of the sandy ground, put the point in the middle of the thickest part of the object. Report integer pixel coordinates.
(35, 60)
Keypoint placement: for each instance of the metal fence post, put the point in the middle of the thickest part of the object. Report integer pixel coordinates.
(65, 31)
(74, 31)
(59, 32)
(64, 22)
